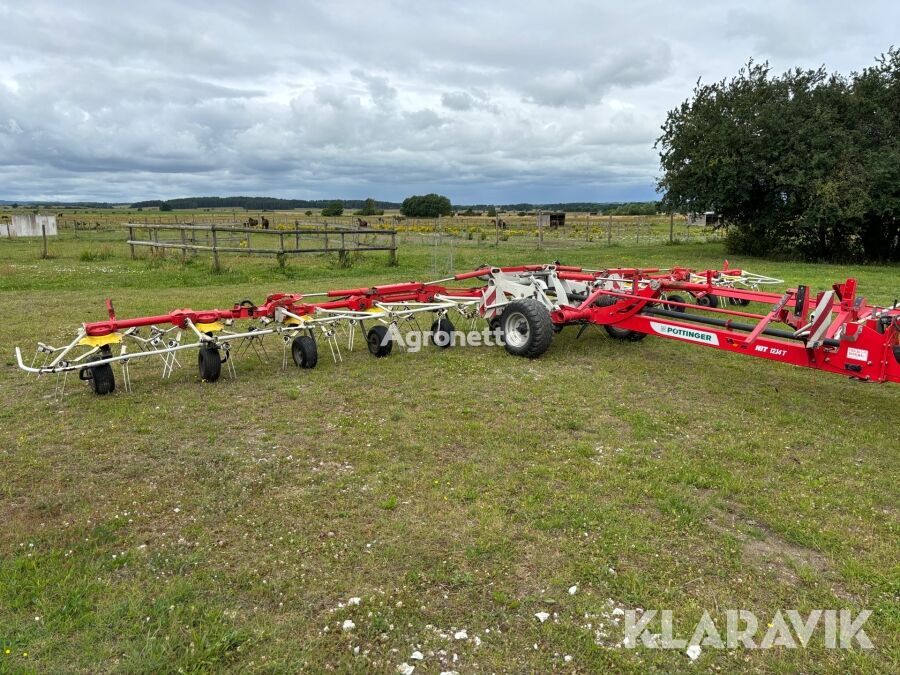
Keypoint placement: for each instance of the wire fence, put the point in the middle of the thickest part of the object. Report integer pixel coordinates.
(474, 230)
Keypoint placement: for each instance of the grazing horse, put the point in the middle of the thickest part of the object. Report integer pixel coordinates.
(251, 222)
(362, 223)
(265, 222)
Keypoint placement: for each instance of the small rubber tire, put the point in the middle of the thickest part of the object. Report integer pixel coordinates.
(675, 308)
(380, 344)
(708, 300)
(442, 332)
(496, 325)
(209, 363)
(101, 378)
(305, 351)
(527, 328)
(624, 333)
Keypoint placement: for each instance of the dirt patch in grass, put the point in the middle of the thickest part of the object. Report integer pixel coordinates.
(763, 548)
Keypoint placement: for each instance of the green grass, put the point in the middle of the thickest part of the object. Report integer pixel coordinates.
(225, 527)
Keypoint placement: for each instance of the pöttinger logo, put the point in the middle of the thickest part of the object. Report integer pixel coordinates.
(692, 334)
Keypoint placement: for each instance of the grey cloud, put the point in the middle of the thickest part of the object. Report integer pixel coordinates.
(640, 65)
(457, 100)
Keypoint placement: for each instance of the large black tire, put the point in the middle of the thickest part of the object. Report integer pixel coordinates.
(442, 332)
(612, 331)
(305, 351)
(708, 300)
(380, 344)
(624, 334)
(100, 378)
(209, 363)
(527, 328)
(675, 308)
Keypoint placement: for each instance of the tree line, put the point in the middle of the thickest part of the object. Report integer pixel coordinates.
(416, 206)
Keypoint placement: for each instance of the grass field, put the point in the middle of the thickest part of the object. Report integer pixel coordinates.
(455, 493)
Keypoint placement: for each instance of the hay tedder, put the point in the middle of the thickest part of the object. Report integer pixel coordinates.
(832, 330)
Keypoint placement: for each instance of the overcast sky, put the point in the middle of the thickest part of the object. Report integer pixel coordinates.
(484, 101)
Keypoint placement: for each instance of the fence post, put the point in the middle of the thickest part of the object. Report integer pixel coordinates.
(215, 248)
(131, 238)
(672, 227)
(540, 224)
(587, 234)
(609, 232)
(392, 258)
(183, 244)
(46, 253)
(637, 232)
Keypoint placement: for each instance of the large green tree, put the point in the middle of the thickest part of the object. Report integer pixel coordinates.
(802, 164)
(426, 206)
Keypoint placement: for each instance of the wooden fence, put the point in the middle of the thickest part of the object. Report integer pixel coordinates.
(216, 239)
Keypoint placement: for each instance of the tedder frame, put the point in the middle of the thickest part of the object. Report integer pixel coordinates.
(833, 330)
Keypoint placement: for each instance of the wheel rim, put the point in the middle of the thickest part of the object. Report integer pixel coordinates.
(517, 330)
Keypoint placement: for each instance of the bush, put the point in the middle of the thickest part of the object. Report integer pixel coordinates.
(333, 209)
(369, 208)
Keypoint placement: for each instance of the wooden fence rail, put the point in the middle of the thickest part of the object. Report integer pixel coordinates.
(280, 243)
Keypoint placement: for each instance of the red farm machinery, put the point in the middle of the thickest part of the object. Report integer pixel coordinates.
(834, 330)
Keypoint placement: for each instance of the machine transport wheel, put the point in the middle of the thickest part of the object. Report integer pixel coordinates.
(527, 328)
(442, 332)
(209, 362)
(101, 378)
(305, 351)
(675, 308)
(380, 344)
(624, 334)
(614, 332)
(708, 300)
